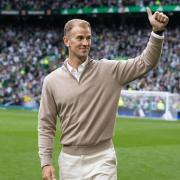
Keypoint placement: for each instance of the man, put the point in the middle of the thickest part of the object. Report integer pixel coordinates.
(84, 94)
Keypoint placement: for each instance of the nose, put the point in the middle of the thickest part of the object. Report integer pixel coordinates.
(85, 42)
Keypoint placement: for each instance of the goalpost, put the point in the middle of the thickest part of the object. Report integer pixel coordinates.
(150, 104)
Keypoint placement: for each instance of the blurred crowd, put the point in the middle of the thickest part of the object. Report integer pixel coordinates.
(149, 2)
(123, 44)
(24, 61)
(28, 54)
(57, 4)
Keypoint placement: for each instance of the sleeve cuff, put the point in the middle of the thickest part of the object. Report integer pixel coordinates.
(45, 161)
(157, 36)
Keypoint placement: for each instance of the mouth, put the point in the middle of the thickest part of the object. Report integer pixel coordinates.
(84, 49)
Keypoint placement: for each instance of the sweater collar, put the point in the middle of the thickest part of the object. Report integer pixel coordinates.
(80, 67)
(83, 65)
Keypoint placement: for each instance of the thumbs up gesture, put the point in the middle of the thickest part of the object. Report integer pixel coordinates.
(158, 20)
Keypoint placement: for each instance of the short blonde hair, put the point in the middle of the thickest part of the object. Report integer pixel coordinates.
(71, 23)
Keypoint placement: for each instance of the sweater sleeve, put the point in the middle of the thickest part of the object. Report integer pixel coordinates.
(46, 124)
(127, 71)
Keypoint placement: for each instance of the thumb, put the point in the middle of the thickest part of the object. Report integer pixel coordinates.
(149, 12)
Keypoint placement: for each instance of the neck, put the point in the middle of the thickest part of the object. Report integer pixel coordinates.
(75, 62)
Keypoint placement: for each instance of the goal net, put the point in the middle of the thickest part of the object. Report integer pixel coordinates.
(150, 104)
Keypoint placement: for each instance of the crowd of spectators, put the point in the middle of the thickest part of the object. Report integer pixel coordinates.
(57, 4)
(28, 54)
(149, 2)
(120, 43)
(24, 60)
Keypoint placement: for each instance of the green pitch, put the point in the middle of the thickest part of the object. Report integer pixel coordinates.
(146, 149)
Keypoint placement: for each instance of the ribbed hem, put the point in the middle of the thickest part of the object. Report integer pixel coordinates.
(87, 150)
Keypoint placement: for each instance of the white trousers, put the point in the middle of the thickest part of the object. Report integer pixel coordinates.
(99, 166)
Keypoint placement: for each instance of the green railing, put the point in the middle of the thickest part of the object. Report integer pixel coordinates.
(130, 9)
(100, 10)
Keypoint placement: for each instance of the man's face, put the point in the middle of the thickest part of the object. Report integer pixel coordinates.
(78, 41)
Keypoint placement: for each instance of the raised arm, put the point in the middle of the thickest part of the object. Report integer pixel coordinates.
(130, 70)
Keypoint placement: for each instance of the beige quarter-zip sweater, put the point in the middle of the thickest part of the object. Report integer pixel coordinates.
(87, 108)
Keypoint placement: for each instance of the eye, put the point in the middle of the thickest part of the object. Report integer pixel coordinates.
(79, 38)
(88, 38)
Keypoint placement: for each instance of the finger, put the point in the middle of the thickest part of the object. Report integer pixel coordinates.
(156, 15)
(149, 12)
(166, 19)
(161, 17)
(46, 177)
(53, 174)
(53, 177)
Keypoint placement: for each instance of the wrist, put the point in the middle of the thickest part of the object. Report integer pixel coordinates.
(158, 31)
(45, 165)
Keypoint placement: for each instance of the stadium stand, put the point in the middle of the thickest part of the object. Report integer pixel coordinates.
(29, 51)
(54, 4)
(28, 54)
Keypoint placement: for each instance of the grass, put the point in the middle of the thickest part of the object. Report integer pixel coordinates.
(146, 149)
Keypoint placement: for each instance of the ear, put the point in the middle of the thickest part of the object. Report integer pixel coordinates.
(66, 41)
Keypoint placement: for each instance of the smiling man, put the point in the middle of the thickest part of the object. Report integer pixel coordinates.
(84, 94)
(78, 41)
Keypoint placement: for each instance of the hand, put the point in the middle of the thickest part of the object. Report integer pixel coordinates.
(158, 20)
(48, 173)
